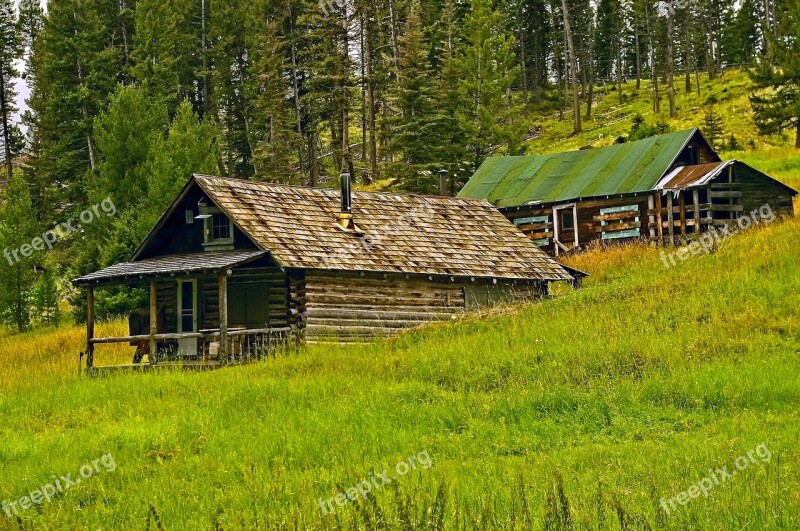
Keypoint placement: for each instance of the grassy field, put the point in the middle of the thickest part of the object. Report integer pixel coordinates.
(584, 411)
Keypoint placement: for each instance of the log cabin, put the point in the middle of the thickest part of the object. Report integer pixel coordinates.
(668, 189)
(235, 267)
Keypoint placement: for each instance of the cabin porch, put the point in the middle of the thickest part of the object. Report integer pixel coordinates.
(198, 319)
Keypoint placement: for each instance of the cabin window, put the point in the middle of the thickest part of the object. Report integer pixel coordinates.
(218, 231)
(567, 220)
(221, 227)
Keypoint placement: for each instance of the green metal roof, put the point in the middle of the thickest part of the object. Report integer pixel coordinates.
(619, 169)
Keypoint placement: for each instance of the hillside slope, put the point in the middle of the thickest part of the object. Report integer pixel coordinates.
(583, 410)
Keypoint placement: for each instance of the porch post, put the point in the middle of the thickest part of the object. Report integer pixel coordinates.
(555, 231)
(696, 201)
(671, 218)
(89, 327)
(152, 357)
(660, 215)
(682, 206)
(223, 317)
(575, 222)
(651, 206)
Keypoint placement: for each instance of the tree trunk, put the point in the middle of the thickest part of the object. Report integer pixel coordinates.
(618, 51)
(347, 159)
(797, 133)
(312, 141)
(84, 108)
(4, 111)
(673, 112)
(576, 100)
(204, 52)
(298, 115)
(653, 73)
(393, 34)
(590, 81)
(638, 54)
(373, 134)
(523, 57)
(688, 55)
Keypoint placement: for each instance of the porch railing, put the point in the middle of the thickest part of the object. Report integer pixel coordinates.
(242, 345)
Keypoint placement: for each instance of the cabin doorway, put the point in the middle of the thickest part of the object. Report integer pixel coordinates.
(565, 235)
(187, 316)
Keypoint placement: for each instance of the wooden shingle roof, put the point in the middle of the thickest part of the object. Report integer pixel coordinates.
(173, 264)
(400, 233)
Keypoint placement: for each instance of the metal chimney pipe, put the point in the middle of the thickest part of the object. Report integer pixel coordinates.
(345, 221)
(347, 198)
(443, 182)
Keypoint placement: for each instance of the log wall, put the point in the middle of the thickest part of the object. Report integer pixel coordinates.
(264, 286)
(353, 309)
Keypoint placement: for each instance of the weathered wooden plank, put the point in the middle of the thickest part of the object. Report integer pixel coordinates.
(439, 310)
(725, 195)
(703, 206)
(620, 226)
(696, 210)
(671, 217)
(340, 331)
(223, 317)
(89, 327)
(345, 314)
(617, 215)
(153, 320)
(682, 210)
(727, 208)
(345, 324)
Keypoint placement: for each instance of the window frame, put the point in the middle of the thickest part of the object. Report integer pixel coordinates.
(208, 231)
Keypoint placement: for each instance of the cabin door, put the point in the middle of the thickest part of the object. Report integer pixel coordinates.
(565, 218)
(187, 316)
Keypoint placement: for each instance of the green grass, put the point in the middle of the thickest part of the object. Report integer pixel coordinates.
(583, 410)
(612, 119)
(629, 390)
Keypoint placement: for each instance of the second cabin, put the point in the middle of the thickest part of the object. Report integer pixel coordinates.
(668, 188)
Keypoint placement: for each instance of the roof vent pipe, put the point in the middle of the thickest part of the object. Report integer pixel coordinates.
(443, 182)
(345, 221)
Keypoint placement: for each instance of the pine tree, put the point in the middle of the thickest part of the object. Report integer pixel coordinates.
(76, 70)
(414, 144)
(17, 232)
(777, 77)
(10, 51)
(156, 52)
(126, 134)
(604, 38)
(45, 296)
(189, 147)
(450, 101)
(276, 140)
(488, 70)
(231, 53)
(712, 128)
